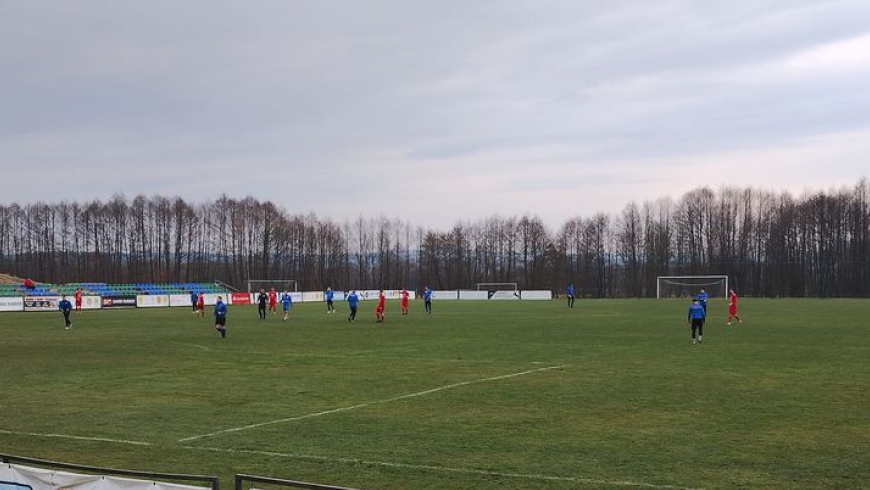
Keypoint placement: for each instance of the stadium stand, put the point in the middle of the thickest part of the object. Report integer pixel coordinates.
(104, 289)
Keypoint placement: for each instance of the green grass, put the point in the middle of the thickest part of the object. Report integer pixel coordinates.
(780, 402)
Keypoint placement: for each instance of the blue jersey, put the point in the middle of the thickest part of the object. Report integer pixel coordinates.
(352, 300)
(696, 312)
(220, 309)
(64, 305)
(286, 300)
(427, 295)
(702, 297)
(570, 290)
(329, 295)
(194, 297)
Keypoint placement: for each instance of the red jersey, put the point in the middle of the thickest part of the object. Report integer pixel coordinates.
(200, 302)
(404, 298)
(382, 302)
(732, 299)
(78, 297)
(273, 298)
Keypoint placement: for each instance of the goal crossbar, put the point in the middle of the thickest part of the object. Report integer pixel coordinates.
(698, 281)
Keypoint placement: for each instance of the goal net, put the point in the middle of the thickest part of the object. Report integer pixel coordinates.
(282, 285)
(689, 286)
(497, 286)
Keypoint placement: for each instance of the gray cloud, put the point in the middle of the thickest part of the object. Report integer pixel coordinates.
(430, 110)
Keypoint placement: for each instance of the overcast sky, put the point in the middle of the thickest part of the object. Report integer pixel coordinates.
(431, 111)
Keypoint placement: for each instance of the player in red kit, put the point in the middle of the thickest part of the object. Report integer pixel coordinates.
(405, 302)
(382, 305)
(200, 304)
(78, 297)
(273, 301)
(732, 307)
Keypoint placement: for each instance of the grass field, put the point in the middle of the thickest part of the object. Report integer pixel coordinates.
(482, 395)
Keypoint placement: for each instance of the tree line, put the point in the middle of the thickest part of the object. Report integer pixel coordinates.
(768, 243)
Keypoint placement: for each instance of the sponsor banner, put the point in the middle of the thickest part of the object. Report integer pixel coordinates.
(152, 301)
(179, 300)
(41, 303)
(18, 477)
(240, 299)
(536, 295)
(12, 304)
(211, 299)
(308, 296)
(295, 296)
(89, 302)
(502, 295)
(444, 295)
(119, 301)
(473, 295)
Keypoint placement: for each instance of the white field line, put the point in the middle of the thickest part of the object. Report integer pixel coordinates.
(441, 469)
(446, 469)
(77, 438)
(202, 347)
(368, 404)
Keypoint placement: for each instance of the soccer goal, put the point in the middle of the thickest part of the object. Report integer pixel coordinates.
(279, 285)
(497, 286)
(688, 286)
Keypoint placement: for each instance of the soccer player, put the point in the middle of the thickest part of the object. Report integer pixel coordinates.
(427, 299)
(330, 308)
(65, 307)
(352, 302)
(273, 301)
(261, 304)
(220, 317)
(200, 304)
(286, 302)
(405, 301)
(78, 298)
(193, 299)
(703, 297)
(382, 305)
(570, 294)
(697, 315)
(732, 307)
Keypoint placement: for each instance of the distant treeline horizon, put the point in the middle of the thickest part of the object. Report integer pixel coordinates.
(768, 243)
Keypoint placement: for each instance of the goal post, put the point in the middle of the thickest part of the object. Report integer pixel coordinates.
(688, 286)
(497, 286)
(289, 285)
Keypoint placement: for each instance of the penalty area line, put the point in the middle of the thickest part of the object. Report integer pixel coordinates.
(76, 438)
(446, 469)
(368, 404)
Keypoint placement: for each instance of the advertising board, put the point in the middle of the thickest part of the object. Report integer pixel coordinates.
(41, 303)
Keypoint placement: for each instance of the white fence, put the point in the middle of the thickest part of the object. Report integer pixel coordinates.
(49, 303)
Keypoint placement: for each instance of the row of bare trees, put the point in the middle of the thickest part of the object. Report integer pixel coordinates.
(770, 244)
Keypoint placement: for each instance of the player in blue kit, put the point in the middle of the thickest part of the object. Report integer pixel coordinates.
(427, 300)
(330, 294)
(697, 315)
(703, 297)
(570, 294)
(286, 302)
(352, 303)
(220, 317)
(65, 307)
